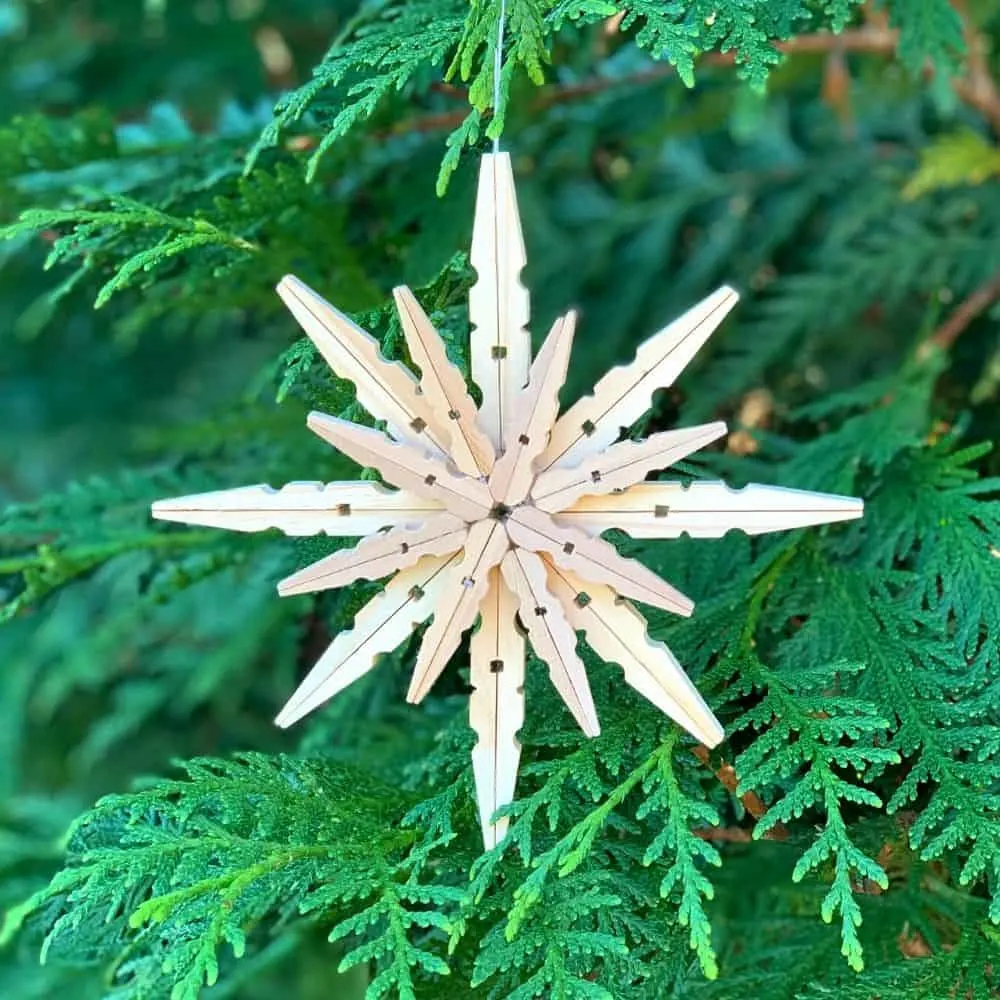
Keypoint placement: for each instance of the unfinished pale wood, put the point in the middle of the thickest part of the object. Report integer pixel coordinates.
(444, 389)
(593, 559)
(620, 466)
(512, 484)
(459, 604)
(500, 345)
(527, 432)
(386, 389)
(405, 466)
(618, 634)
(624, 394)
(496, 704)
(552, 638)
(379, 555)
(380, 626)
(336, 509)
(707, 510)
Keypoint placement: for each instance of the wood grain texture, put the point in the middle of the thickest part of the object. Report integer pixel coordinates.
(386, 389)
(500, 345)
(618, 634)
(624, 394)
(707, 510)
(344, 509)
(551, 635)
(443, 386)
(405, 466)
(527, 432)
(458, 604)
(498, 511)
(496, 704)
(379, 555)
(620, 466)
(593, 559)
(381, 625)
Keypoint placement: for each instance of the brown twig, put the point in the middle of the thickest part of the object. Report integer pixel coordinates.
(752, 802)
(863, 40)
(724, 834)
(962, 317)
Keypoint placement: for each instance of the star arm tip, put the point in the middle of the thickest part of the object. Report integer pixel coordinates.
(618, 633)
(496, 705)
(594, 559)
(713, 737)
(444, 389)
(624, 393)
(242, 508)
(289, 285)
(165, 510)
(620, 466)
(706, 509)
(551, 635)
(378, 556)
(317, 418)
(499, 303)
(379, 627)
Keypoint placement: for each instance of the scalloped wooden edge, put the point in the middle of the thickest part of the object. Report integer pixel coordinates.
(594, 559)
(342, 509)
(379, 555)
(379, 627)
(458, 604)
(620, 466)
(496, 705)
(618, 633)
(500, 345)
(443, 386)
(707, 510)
(622, 395)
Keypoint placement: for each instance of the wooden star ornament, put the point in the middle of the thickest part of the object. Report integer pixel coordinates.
(497, 512)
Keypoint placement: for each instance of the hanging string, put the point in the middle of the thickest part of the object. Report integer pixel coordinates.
(498, 67)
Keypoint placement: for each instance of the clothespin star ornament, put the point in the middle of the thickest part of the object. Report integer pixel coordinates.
(496, 513)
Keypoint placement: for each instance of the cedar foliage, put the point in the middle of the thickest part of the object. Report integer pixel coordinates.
(167, 163)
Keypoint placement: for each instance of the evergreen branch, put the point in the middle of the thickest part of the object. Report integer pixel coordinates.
(914, 667)
(978, 89)
(125, 215)
(685, 878)
(808, 732)
(280, 837)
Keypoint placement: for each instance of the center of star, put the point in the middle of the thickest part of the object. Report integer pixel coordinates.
(499, 512)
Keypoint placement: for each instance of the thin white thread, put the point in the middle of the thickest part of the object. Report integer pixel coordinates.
(498, 67)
